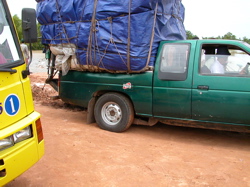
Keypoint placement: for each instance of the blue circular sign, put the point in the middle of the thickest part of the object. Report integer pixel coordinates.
(1, 109)
(12, 105)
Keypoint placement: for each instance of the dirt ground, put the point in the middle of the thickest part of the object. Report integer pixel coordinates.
(80, 154)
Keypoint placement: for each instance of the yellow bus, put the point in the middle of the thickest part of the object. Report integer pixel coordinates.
(21, 136)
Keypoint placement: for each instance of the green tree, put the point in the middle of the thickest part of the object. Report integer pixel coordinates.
(245, 39)
(212, 37)
(229, 36)
(190, 35)
(18, 24)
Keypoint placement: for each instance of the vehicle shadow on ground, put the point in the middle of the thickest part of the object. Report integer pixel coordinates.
(194, 135)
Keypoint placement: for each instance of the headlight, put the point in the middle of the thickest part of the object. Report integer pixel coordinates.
(6, 143)
(22, 135)
(15, 138)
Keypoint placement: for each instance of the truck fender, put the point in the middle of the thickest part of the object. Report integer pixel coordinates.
(90, 110)
(91, 106)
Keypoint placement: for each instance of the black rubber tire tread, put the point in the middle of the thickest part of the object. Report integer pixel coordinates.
(126, 108)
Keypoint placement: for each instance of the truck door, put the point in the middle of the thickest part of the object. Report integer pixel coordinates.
(173, 80)
(221, 96)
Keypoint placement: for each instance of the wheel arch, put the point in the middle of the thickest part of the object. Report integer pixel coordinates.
(93, 100)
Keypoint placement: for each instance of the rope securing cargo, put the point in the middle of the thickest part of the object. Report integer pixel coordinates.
(109, 35)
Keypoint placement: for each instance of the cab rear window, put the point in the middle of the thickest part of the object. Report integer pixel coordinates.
(174, 62)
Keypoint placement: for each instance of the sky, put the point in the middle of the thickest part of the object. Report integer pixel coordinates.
(210, 18)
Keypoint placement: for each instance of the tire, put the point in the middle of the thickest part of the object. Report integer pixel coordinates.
(114, 112)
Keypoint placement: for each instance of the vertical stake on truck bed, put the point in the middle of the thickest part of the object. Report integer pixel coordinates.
(152, 36)
(128, 44)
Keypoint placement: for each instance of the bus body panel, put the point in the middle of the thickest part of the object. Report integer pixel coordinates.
(21, 136)
(20, 157)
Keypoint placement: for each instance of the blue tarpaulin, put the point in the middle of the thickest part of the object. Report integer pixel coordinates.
(113, 35)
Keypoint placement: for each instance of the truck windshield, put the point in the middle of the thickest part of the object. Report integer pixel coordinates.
(8, 48)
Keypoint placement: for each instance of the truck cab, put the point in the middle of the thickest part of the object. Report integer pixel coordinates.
(190, 91)
(185, 88)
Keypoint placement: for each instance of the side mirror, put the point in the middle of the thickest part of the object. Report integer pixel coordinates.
(1, 27)
(29, 25)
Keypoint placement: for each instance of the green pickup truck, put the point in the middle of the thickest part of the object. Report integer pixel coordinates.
(195, 83)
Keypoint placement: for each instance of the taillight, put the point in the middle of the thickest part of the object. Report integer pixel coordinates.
(39, 130)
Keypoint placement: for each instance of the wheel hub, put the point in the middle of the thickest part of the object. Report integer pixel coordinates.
(111, 113)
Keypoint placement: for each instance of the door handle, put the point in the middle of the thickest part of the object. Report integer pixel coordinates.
(203, 87)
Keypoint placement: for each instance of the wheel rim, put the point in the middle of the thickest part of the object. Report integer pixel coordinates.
(111, 113)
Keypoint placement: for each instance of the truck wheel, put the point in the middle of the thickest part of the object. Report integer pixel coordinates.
(114, 112)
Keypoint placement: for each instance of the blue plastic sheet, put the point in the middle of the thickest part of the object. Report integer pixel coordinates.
(106, 31)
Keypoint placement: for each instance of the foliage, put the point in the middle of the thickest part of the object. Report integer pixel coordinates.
(18, 24)
(229, 36)
(245, 39)
(190, 35)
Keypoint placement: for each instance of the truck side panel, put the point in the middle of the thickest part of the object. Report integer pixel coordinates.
(79, 87)
(205, 97)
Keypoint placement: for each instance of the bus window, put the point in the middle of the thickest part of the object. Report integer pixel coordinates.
(8, 48)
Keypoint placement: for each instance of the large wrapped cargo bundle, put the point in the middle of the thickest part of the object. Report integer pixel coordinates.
(110, 35)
